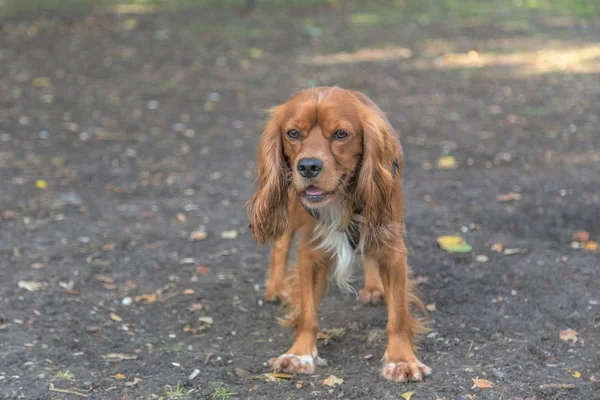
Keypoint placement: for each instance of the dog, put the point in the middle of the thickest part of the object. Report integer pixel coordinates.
(330, 168)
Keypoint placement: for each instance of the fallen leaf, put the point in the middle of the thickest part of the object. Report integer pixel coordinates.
(120, 376)
(242, 373)
(274, 377)
(181, 218)
(581, 236)
(32, 286)
(482, 258)
(333, 381)
(454, 244)
(189, 291)
(118, 357)
(201, 270)
(577, 374)
(505, 198)
(591, 245)
(510, 252)
(481, 383)
(198, 235)
(109, 247)
(94, 328)
(593, 378)
(447, 162)
(41, 81)
(206, 320)
(115, 317)
(196, 307)
(407, 395)
(569, 335)
(497, 247)
(41, 184)
(134, 382)
(104, 278)
(229, 234)
(147, 298)
(430, 307)
(555, 386)
(130, 24)
(299, 385)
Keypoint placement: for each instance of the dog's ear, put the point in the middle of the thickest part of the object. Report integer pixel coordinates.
(381, 166)
(268, 206)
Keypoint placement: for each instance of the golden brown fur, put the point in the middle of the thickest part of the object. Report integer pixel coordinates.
(330, 165)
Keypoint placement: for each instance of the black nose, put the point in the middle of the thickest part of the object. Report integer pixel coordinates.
(309, 167)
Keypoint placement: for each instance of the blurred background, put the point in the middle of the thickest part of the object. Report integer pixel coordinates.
(128, 137)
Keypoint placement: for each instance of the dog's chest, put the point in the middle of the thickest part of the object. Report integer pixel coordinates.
(339, 239)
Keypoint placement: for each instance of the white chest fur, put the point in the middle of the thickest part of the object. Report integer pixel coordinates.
(332, 233)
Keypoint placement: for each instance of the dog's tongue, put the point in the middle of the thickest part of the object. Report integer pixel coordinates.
(313, 191)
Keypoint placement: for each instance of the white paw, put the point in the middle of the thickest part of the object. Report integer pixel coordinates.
(293, 364)
(405, 371)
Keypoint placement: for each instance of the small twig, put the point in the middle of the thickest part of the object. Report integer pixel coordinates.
(66, 391)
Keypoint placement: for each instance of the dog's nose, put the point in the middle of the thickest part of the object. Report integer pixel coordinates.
(309, 167)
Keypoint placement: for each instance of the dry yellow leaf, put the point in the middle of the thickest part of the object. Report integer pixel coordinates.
(134, 382)
(407, 395)
(454, 244)
(41, 184)
(188, 291)
(120, 376)
(333, 381)
(447, 162)
(41, 81)
(482, 383)
(147, 298)
(115, 317)
(577, 374)
(591, 245)
(431, 307)
(568, 335)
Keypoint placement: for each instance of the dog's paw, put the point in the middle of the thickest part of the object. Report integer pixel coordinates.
(370, 295)
(276, 295)
(405, 371)
(293, 364)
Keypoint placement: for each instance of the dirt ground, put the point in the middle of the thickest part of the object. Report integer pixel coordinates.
(121, 134)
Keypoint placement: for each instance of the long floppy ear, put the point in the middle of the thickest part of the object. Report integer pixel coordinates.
(381, 165)
(268, 206)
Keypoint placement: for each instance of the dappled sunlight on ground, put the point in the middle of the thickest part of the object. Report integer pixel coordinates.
(562, 58)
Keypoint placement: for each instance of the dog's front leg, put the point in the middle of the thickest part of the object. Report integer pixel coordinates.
(275, 290)
(313, 268)
(401, 363)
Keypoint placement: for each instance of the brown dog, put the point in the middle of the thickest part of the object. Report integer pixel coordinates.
(330, 167)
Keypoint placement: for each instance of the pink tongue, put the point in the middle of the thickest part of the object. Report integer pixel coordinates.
(313, 191)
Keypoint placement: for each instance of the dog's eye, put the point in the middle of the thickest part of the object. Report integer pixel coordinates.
(339, 134)
(293, 134)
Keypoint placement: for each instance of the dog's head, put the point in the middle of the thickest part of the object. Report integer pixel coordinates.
(325, 145)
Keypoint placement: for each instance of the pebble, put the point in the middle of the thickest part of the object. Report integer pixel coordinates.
(44, 135)
(127, 301)
(83, 239)
(153, 105)
(5, 137)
